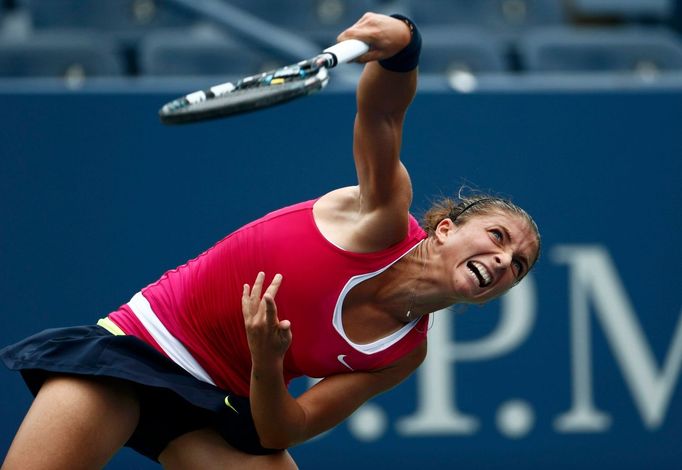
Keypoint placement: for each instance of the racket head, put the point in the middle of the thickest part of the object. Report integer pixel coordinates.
(248, 94)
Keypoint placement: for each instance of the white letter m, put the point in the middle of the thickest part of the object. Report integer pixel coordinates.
(593, 277)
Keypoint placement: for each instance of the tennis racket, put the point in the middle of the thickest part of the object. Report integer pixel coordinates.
(262, 90)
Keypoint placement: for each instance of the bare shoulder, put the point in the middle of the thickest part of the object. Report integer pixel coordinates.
(337, 216)
(342, 219)
(342, 202)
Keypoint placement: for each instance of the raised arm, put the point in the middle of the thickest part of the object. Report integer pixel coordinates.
(384, 93)
(383, 96)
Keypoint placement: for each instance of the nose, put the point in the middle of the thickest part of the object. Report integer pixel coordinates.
(503, 259)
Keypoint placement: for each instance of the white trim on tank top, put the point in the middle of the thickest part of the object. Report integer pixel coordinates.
(380, 344)
(140, 306)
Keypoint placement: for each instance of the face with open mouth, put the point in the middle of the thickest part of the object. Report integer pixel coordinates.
(481, 273)
(487, 255)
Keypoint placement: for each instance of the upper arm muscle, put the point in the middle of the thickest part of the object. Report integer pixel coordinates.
(383, 98)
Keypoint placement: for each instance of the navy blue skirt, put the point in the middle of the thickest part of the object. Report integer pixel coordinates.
(172, 402)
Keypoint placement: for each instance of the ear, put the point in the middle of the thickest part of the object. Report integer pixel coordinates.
(443, 229)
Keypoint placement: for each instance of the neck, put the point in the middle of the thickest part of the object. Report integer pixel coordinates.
(421, 285)
(404, 286)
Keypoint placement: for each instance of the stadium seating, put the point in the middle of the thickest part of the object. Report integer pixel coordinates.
(307, 15)
(125, 18)
(498, 15)
(600, 50)
(164, 38)
(467, 49)
(624, 9)
(191, 53)
(72, 55)
(319, 20)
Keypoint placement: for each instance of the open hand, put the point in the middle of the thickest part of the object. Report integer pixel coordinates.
(268, 337)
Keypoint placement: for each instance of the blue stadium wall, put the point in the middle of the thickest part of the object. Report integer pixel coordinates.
(579, 367)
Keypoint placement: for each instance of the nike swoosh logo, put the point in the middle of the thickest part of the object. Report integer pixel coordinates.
(229, 405)
(342, 360)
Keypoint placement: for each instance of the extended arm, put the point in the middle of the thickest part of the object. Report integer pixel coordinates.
(383, 96)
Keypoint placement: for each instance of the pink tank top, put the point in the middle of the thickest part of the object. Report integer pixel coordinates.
(199, 303)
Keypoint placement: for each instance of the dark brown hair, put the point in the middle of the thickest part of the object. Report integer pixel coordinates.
(463, 208)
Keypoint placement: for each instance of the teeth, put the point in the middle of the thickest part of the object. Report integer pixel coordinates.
(484, 272)
(481, 273)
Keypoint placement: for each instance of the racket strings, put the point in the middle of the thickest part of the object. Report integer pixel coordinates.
(290, 73)
(252, 92)
(299, 71)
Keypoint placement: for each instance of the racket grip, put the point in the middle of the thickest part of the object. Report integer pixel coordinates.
(345, 51)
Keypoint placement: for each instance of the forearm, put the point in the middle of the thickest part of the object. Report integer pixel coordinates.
(383, 92)
(387, 87)
(389, 80)
(279, 419)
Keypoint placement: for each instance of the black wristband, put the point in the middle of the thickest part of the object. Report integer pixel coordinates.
(407, 59)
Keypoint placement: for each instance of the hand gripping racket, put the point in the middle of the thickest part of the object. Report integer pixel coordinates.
(262, 90)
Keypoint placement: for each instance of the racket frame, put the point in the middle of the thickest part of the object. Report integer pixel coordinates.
(274, 87)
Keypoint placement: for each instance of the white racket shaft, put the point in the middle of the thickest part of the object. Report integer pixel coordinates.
(345, 51)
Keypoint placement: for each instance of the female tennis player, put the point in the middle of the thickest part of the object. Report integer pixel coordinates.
(193, 371)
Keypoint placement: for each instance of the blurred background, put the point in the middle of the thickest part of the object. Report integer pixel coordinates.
(470, 43)
(570, 107)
